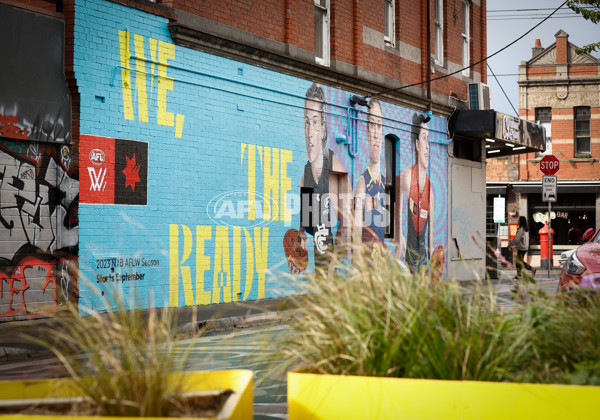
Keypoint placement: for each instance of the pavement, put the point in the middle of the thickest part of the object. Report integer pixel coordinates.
(221, 318)
(233, 337)
(212, 319)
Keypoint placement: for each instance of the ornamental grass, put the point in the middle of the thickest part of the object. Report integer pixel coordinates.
(119, 361)
(368, 315)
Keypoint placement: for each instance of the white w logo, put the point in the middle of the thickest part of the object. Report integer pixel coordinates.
(97, 180)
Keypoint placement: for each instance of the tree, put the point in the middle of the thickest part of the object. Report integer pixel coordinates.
(589, 10)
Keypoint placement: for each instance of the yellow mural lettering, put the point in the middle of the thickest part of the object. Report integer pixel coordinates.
(126, 75)
(271, 184)
(276, 182)
(175, 265)
(262, 256)
(203, 233)
(237, 263)
(249, 264)
(154, 60)
(226, 284)
(140, 77)
(166, 52)
(222, 269)
(178, 125)
(160, 54)
(286, 185)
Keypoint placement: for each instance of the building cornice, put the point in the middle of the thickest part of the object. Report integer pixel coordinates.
(206, 35)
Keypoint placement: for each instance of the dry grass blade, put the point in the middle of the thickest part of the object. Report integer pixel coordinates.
(128, 355)
(372, 317)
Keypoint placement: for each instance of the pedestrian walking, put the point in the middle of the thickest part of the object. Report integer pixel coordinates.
(521, 243)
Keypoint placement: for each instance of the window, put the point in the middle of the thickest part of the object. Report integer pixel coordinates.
(466, 38)
(322, 32)
(390, 23)
(582, 131)
(543, 117)
(439, 32)
(390, 183)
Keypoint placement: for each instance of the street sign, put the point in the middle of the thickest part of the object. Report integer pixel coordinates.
(549, 184)
(549, 165)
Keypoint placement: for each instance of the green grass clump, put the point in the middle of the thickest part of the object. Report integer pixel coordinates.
(373, 317)
(120, 360)
(566, 339)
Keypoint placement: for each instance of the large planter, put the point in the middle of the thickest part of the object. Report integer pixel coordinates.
(312, 396)
(237, 407)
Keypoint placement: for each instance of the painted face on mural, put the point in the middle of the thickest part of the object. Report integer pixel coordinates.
(423, 145)
(314, 130)
(374, 133)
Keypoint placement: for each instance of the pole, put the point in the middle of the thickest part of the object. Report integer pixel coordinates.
(550, 258)
(498, 249)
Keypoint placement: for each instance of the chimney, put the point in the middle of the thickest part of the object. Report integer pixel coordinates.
(562, 47)
(537, 49)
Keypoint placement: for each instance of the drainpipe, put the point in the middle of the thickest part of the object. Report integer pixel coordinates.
(428, 61)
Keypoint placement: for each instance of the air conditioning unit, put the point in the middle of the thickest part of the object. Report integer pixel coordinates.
(479, 96)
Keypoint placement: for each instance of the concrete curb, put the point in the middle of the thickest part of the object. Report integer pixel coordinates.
(216, 326)
(15, 353)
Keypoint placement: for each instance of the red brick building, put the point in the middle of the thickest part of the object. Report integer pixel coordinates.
(371, 46)
(559, 90)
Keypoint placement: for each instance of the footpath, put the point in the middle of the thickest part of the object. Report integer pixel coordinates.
(210, 319)
(219, 318)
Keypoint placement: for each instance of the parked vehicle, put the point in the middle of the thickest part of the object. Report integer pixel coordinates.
(564, 256)
(582, 261)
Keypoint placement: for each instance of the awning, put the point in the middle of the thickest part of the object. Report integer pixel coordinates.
(504, 134)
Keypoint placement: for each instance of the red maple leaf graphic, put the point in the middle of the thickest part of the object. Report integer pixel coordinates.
(131, 173)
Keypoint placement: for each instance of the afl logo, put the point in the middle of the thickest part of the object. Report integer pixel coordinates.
(97, 157)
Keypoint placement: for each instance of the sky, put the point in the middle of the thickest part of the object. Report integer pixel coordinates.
(507, 21)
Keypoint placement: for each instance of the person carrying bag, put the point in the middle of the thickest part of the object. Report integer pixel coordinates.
(521, 243)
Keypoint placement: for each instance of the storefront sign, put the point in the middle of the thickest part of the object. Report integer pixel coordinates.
(499, 209)
(510, 128)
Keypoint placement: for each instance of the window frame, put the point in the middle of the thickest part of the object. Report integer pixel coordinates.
(543, 117)
(325, 35)
(389, 33)
(438, 22)
(466, 37)
(582, 114)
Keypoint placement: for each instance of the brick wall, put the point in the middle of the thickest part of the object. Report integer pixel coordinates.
(292, 22)
(179, 145)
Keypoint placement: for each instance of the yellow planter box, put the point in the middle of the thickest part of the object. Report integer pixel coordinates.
(312, 396)
(237, 407)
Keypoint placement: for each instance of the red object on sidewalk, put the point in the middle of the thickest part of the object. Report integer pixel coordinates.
(544, 241)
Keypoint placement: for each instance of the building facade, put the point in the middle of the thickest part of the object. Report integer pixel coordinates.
(202, 152)
(559, 90)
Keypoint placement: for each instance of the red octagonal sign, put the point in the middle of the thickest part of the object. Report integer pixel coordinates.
(549, 164)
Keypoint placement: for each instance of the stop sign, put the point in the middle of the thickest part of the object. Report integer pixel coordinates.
(549, 165)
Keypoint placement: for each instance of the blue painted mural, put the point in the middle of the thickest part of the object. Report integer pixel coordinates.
(203, 178)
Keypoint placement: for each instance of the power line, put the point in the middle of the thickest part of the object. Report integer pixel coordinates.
(532, 10)
(533, 17)
(472, 65)
(505, 95)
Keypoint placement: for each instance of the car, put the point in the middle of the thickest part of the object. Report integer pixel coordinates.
(583, 261)
(564, 256)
